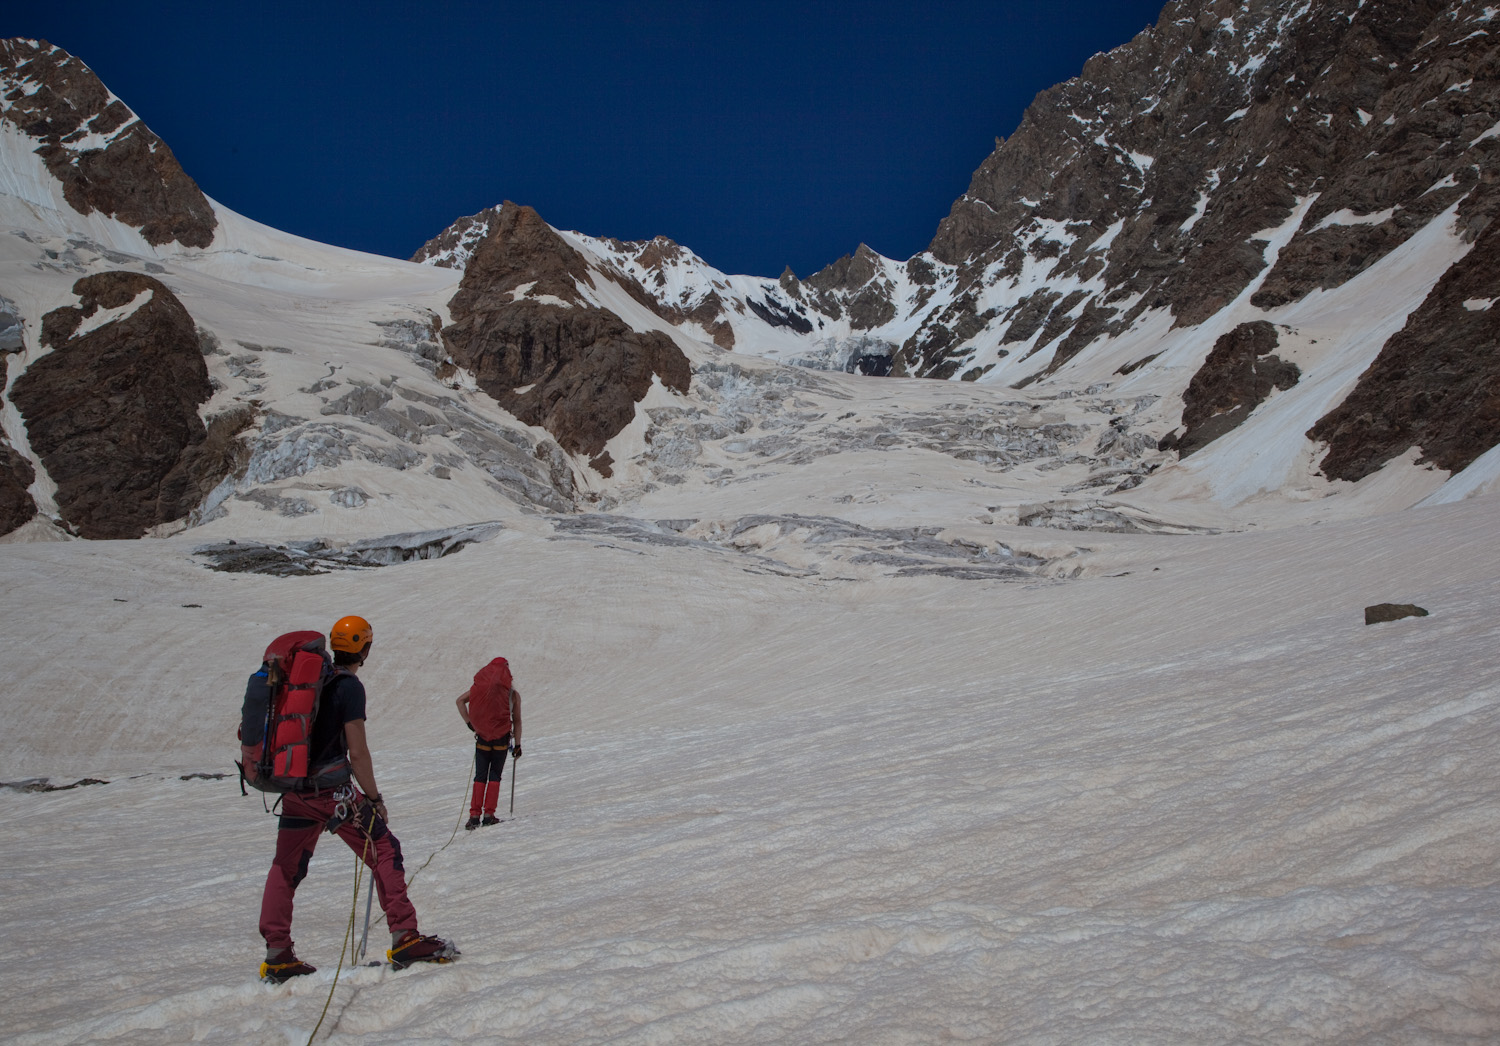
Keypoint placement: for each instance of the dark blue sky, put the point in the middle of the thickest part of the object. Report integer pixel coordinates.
(759, 135)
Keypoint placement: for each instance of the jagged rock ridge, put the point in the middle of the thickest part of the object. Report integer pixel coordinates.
(1155, 178)
(104, 156)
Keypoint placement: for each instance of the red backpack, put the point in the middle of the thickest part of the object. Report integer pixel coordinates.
(276, 720)
(489, 700)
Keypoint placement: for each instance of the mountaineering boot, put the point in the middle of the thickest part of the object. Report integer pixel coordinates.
(411, 946)
(282, 966)
(471, 824)
(490, 819)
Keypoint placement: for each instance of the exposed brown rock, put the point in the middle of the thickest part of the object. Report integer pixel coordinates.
(848, 273)
(1204, 131)
(1436, 382)
(113, 413)
(105, 158)
(576, 370)
(853, 284)
(1236, 377)
(204, 465)
(1094, 322)
(1392, 612)
(452, 248)
(1029, 315)
(16, 475)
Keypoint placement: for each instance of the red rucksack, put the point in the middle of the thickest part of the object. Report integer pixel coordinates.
(489, 700)
(276, 720)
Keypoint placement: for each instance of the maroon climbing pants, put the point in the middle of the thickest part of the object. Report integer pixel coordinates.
(303, 819)
(489, 764)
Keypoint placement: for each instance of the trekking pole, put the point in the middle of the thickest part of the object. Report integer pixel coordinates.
(364, 939)
(514, 762)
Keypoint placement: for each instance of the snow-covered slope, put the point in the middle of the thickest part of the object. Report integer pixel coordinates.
(1187, 798)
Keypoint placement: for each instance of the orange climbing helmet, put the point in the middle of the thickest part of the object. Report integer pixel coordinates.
(350, 635)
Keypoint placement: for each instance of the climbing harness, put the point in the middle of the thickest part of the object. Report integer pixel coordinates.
(344, 808)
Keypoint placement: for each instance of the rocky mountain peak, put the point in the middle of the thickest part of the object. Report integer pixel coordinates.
(848, 273)
(454, 246)
(541, 347)
(659, 253)
(106, 159)
(520, 255)
(1154, 174)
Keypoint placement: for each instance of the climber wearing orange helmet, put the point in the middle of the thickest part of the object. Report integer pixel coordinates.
(339, 729)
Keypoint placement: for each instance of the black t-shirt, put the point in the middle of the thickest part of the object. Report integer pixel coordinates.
(343, 701)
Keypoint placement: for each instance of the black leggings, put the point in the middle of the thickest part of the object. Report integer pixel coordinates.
(489, 758)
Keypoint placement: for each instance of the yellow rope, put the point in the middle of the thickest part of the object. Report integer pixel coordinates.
(462, 807)
(354, 908)
(359, 867)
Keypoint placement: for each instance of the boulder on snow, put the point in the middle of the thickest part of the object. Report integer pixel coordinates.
(1392, 612)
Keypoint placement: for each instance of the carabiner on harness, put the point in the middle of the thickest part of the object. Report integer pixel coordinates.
(343, 807)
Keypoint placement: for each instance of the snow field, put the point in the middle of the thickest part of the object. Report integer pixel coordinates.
(1202, 803)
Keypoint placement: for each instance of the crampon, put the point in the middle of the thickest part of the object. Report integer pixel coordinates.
(415, 947)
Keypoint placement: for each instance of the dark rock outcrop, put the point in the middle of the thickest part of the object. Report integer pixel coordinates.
(1436, 382)
(106, 159)
(854, 285)
(112, 412)
(16, 475)
(540, 349)
(1392, 612)
(1236, 378)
